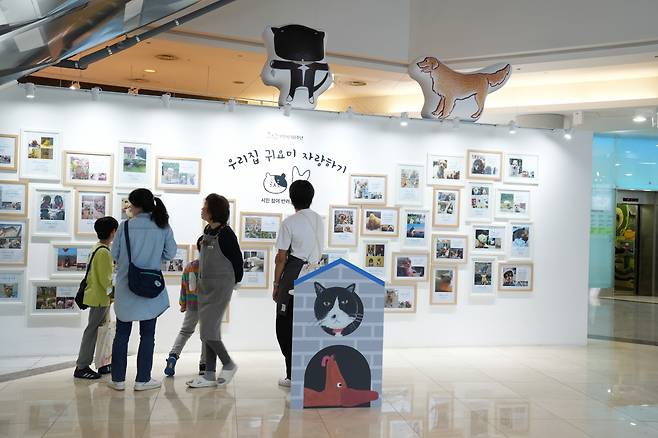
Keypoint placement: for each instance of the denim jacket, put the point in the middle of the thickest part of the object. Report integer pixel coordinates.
(150, 245)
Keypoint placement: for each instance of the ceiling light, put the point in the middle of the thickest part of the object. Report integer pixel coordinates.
(238, 82)
(648, 163)
(404, 119)
(166, 57)
(149, 70)
(512, 127)
(640, 118)
(31, 91)
(568, 134)
(617, 164)
(357, 83)
(166, 98)
(231, 105)
(96, 94)
(75, 85)
(287, 109)
(628, 174)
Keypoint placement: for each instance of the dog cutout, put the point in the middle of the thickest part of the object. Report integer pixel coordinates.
(296, 64)
(453, 95)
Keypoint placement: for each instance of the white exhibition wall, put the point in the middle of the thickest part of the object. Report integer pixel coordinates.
(554, 313)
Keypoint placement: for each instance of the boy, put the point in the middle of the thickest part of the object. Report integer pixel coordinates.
(99, 287)
(189, 304)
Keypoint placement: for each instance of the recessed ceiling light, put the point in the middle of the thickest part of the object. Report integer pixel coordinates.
(357, 83)
(149, 70)
(166, 57)
(238, 82)
(628, 174)
(139, 80)
(640, 118)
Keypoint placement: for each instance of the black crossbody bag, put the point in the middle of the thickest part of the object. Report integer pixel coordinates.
(80, 296)
(147, 283)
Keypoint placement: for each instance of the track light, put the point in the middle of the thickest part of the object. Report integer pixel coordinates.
(231, 105)
(30, 90)
(404, 119)
(456, 123)
(166, 98)
(96, 94)
(568, 134)
(287, 109)
(512, 127)
(75, 85)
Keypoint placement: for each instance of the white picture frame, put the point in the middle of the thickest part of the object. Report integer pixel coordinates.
(343, 226)
(409, 266)
(409, 184)
(134, 164)
(446, 207)
(417, 229)
(176, 266)
(90, 205)
(88, 169)
(9, 153)
(367, 189)
(120, 205)
(53, 297)
(483, 276)
(449, 248)
(484, 165)
(512, 204)
(331, 255)
(488, 239)
(444, 285)
(521, 242)
(256, 264)
(14, 197)
(400, 298)
(69, 259)
(52, 211)
(480, 201)
(14, 242)
(380, 221)
(259, 227)
(521, 169)
(12, 286)
(515, 276)
(40, 154)
(181, 174)
(445, 170)
(374, 257)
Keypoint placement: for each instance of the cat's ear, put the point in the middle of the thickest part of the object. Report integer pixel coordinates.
(319, 288)
(351, 288)
(267, 175)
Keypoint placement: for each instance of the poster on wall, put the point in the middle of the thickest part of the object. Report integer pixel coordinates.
(482, 276)
(400, 298)
(409, 184)
(445, 170)
(8, 153)
(489, 239)
(515, 277)
(344, 226)
(331, 255)
(416, 233)
(409, 266)
(88, 169)
(521, 169)
(480, 202)
(179, 174)
(485, 165)
(121, 205)
(176, 266)
(40, 153)
(451, 248)
(53, 297)
(90, 206)
(512, 204)
(380, 222)
(52, 212)
(521, 240)
(256, 264)
(13, 241)
(443, 288)
(259, 227)
(69, 259)
(134, 165)
(367, 189)
(374, 258)
(12, 284)
(445, 207)
(13, 198)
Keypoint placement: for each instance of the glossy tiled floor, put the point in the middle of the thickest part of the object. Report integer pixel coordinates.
(602, 390)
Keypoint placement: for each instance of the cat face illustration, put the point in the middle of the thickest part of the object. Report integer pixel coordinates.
(338, 310)
(275, 183)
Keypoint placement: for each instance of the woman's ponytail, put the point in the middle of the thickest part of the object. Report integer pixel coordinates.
(160, 215)
(144, 199)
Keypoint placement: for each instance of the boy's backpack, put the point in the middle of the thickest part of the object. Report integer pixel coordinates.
(80, 296)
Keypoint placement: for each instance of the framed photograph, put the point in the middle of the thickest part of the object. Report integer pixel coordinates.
(52, 212)
(343, 226)
(13, 241)
(485, 165)
(88, 169)
(259, 227)
(443, 289)
(367, 189)
(176, 266)
(382, 222)
(121, 205)
(134, 166)
(374, 258)
(13, 198)
(12, 286)
(488, 239)
(515, 277)
(89, 207)
(54, 297)
(256, 267)
(180, 174)
(415, 228)
(410, 266)
(409, 184)
(40, 154)
(331, 255)
(520, 240)
(445, 170)
(482, 276)
(521, 169)
(513, 418)
(480, 202)
(445, 207)
(440, 412)
(512, 204)
(8, 153)
(69, 259)
(400, 298)
(449, 248)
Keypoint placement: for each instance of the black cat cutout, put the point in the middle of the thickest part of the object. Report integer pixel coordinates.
(338, 310)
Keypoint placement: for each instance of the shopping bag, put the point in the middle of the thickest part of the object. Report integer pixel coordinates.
(104, 342)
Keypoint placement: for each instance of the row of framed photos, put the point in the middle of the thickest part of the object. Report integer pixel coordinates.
(40, 157)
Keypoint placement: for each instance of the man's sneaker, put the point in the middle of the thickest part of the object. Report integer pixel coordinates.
(86, 373)
(285, 382)
(107, 369)
(144, 386)
(170, 369)
(117, 386)
(202, 369)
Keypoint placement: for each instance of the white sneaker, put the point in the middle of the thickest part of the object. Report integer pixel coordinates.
(144, 386)
(117, 386)
(285, 382)
(201, 382)
(225, 376)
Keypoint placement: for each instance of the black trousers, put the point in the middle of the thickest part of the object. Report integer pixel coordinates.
(284, 336)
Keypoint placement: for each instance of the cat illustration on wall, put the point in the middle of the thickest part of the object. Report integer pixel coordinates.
(338, 310)
(277, 184)
(296, 64)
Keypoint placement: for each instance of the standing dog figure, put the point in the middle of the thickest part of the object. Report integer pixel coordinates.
(443, 88)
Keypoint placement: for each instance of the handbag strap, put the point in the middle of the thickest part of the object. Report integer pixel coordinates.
(127, 234)
(92, 258)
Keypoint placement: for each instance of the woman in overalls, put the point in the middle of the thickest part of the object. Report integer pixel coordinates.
(220, 269)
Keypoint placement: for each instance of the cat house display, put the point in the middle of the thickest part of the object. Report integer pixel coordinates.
(296, 64)
(337, 338)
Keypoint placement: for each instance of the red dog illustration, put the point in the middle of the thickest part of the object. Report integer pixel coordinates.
(336, 394)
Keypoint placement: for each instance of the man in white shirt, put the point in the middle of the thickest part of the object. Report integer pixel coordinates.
(299, 242)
